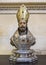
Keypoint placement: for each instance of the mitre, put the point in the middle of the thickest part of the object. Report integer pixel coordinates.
(22, 13)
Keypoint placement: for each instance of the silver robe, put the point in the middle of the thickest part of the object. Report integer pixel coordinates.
(22, 41)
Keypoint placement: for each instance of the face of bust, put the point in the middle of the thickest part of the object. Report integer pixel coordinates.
(22, 25)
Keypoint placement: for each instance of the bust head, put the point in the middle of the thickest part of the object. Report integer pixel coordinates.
(22, 25)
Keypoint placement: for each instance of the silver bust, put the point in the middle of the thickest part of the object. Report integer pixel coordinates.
(22, 39)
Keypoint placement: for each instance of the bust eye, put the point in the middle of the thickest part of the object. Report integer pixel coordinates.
(20, 22)
(24, 22)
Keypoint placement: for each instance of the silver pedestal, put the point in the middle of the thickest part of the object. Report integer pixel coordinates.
(23, 56)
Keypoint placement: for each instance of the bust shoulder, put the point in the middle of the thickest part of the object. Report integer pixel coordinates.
(30, 35)
(16, 34)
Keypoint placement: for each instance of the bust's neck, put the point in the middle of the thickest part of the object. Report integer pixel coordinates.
(24, 32)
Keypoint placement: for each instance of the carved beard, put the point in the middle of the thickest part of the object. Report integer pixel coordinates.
(23, 30)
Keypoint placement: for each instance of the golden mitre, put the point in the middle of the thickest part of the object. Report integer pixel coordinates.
(22, 13)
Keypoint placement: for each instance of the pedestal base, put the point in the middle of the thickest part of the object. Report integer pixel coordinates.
(23, 56)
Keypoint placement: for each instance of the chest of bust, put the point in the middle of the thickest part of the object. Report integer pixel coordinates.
(23, 39)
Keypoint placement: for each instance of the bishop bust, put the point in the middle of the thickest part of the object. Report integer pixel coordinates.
(22, 39)
(22, 36)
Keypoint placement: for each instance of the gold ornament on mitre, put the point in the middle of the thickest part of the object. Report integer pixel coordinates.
(22, 13)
